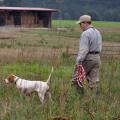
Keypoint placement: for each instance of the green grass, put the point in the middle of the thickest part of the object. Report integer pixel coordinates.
(72, 23)
(28, 64)
(66, 99)
(64, 23)
(111, 37)
(106, 24)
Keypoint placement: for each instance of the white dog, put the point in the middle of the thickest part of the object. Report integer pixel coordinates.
(27, 86)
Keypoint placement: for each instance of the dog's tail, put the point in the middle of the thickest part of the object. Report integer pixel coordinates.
(48, 80)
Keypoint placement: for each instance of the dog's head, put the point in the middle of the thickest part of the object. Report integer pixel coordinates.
(10, 79)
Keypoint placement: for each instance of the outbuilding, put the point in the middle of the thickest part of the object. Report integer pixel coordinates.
(26, 16)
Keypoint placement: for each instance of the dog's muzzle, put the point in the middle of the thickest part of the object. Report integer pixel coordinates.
(6, 81)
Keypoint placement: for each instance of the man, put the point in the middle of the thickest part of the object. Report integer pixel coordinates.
(89, 52)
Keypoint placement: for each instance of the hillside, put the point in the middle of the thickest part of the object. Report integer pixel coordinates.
(72, 9)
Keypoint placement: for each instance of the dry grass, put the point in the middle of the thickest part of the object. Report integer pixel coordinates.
(23, 43)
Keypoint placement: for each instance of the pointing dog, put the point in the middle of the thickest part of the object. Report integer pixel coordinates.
(27, 86)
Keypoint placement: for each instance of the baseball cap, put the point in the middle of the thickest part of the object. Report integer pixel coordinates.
(84, 18)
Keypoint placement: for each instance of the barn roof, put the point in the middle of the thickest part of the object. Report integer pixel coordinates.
(28, 9)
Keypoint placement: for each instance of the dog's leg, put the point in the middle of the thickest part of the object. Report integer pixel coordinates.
(48, 93)
(41, 97)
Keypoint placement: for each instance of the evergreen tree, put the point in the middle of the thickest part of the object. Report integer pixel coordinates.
(13, 3)
(72, 9)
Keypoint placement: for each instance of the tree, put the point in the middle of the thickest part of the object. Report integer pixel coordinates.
(72, 9)
(13, 3)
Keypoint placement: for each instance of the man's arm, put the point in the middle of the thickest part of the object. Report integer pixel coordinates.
(83, 49)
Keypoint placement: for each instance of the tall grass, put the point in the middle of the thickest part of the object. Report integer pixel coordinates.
(66, 99)
(30, 54)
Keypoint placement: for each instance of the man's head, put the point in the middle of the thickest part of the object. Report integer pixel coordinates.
(84, 21)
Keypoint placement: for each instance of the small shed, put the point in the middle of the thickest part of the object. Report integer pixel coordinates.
(26, 16)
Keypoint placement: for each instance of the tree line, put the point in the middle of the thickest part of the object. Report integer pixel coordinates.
(102, 10)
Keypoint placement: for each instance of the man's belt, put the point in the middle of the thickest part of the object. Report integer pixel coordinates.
(94, 52)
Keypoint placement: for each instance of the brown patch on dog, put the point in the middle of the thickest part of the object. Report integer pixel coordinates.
(61, 118)
(11, 78)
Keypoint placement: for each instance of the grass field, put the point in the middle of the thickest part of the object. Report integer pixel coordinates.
(66, 100)
(72, 23)
(30, 54)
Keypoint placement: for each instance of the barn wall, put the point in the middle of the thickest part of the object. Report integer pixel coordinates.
(2, 18)
(9, 19)
(26, 18)
(44, 19)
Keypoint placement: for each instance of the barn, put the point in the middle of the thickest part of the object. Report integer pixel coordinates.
(26, 17)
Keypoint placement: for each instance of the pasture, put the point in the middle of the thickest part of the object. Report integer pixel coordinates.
(30, 54)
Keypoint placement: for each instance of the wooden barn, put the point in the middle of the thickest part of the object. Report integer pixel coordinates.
(26, 17)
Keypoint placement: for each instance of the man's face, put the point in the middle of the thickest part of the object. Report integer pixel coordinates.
(83, 26)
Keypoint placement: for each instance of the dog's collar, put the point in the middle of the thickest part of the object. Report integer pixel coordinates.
(17, 80)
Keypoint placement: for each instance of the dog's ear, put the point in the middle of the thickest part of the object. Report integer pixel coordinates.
(11, 78)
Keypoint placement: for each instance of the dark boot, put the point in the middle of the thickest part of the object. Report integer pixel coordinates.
(95, 91)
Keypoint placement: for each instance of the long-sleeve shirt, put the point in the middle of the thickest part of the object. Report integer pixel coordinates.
(90, 41)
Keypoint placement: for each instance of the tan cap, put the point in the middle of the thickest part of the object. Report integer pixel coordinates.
(84, 18)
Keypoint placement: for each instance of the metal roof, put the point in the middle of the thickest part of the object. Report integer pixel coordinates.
(28, 9)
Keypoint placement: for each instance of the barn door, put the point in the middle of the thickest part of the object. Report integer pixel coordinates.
(17, 18)
(2, 19)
